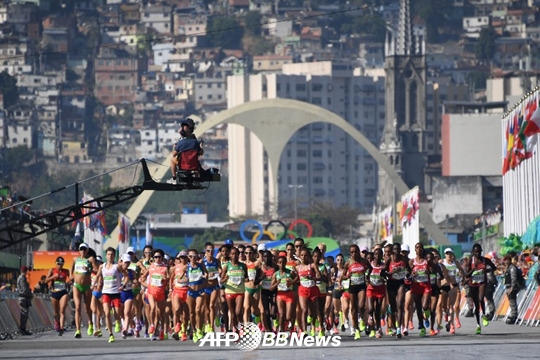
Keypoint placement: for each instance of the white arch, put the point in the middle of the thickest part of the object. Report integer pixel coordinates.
(274, 122)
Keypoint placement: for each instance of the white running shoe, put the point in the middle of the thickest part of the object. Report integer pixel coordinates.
(171, 181)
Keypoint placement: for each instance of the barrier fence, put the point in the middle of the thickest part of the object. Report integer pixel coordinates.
(41, 316)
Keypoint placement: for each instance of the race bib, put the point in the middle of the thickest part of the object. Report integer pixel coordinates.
(400, 274)
(59, 285)
(195, 275)
(235, 280)
(477, 277)
(375, 280)
(345, 283)
(155, 280)
(80, 268)
(251, 274)
(421, 276)
(282, 286)
(357, 279)
(108, 282)
(307, 282)
(266, 284)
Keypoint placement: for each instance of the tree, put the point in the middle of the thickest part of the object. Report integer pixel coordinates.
(8, 88)
(253, 22)
(225, 32)
(485, 47)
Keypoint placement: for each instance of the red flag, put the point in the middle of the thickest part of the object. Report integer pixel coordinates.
(533, 125)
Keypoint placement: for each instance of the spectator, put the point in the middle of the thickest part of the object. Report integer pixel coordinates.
(512, 287)
(25, 299)
(41, 287)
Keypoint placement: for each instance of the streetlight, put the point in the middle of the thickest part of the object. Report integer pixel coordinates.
(296, 187)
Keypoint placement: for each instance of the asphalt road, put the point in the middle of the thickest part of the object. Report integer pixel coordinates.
(498, 341)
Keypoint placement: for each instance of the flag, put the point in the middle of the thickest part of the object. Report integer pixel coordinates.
(532, 126)
(386, 225)
(149, 239)
(123, 228)
(409, 217)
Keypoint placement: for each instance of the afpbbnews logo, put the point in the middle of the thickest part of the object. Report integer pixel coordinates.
(250, 337)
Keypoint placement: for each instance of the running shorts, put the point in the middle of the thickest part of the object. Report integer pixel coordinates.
(312, 293)
(286, 296)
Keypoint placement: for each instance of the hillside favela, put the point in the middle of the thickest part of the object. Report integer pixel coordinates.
(214, 163)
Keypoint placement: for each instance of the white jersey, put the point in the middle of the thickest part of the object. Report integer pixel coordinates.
(111, 279)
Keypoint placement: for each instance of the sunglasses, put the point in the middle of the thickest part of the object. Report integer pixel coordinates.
(249, 252)
(158, 257)
(209, 250)
(192, 256)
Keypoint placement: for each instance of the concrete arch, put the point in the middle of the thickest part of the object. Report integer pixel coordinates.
(274, 122)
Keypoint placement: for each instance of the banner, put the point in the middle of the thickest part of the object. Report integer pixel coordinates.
(149, 238)
(123, 233)
(409, 218)
(386, 225)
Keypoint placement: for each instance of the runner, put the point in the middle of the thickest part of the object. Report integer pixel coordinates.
(197, 275)
(96, 305)
(59, 295)
(234, 275)
(268, 304)
(137, 302)
(179, 287)
(421, 288)
(476, 274)
(376, 291)
(81, 272)
(397, 267)
(328, 313)
(283, 280)
(129, 281)
(322, 284)
(336, 275)
(109, 276)
(224, 255)
(252, 286)
(144, 264)
(356, 268)
(437, 272)
(156, 278)
(211, 304)
(292, 261)
(308, 292)
(450, 290)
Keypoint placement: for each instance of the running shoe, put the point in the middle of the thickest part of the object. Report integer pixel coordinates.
(78, 334)
(161, 335)
(383, 322)
(335, 331)
(405, 332)
(343, 328)
(485, 321)
(175, 336)
(458, 323)
(208, 328)
(478, 330)
(432, 332)
(320, 334)
(426, 323)
(152, 337)
(184, 336)
(422, 332)
(257, 319)
(357, 335)
(200, 334)
(372, 333)
(177, 328)
(111, 338)
(398, 332)
(448, 325)
(90, 330)
(60, 332)
(362, 326)
(124, 334)
(151, 330)
(138, 326)
(378, 335)
(312, 331)
(309, 319)
(452, 329)
(117, 327)
(98, 333)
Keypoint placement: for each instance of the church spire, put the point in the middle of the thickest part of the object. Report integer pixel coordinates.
(404, 43)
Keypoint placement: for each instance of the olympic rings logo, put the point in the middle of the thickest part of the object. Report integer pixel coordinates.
(270, 225)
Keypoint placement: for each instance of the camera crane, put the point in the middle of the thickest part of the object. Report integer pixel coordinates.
(33, 226)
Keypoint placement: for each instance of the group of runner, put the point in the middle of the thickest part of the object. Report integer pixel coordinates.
(297, 290)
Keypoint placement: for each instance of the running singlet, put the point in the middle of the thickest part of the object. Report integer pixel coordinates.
(82, 266)
(478, 276)
(129, 284)
(421, 270)
(236, 277)
(307, 275)
(212, 268)
(400, 270)
(195, 275)
(252, 271)
(357, 274)
(267, 279)
(156, 276)
(375, 278)
(111, 280)
(451, 269)
(59, 284)
(282, 281)
(322, 285)
(180, 282)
